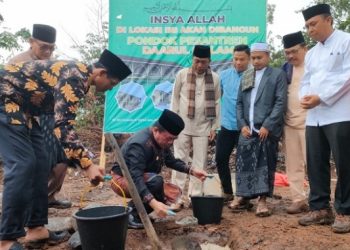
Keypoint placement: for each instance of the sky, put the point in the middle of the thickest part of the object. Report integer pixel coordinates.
(73, 19)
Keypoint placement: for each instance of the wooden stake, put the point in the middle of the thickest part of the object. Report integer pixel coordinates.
(151, 233)
(103, 153)
(102, 156)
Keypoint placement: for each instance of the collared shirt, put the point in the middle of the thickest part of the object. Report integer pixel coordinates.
(229, 83)
(258, 76)
(327, 74)
(40, 87)
(200, 125)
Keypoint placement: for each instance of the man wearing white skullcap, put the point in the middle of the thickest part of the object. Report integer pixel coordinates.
(260, 108)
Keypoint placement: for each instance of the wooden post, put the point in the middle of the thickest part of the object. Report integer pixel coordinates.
(103, 153)
(151, 233)
(102, 156)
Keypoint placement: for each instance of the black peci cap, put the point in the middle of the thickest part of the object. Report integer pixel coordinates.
(114, 65)
(45, 33)
(201, 51)
(316, 10)
(171, 122)
(292, 39)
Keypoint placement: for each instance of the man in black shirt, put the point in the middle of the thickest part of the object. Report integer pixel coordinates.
(145, 153)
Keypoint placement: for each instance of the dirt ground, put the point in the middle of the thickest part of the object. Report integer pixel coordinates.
(236, 230)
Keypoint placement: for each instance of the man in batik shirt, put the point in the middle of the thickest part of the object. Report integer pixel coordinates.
(28, 90)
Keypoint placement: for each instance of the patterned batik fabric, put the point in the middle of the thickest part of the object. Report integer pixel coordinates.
(42, 87)
(54, 149)
(255, 167)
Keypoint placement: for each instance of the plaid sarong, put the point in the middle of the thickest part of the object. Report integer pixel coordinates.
(210, 112)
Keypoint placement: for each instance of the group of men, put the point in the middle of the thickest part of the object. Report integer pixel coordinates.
(259, 104)
(310, 103)
(38, 105)
(305, 99)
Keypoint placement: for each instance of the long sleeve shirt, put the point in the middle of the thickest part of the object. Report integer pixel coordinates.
(199, 125)
(295, 114)
(229, 83)
(327, 74)
(143, 155)
(40, 87)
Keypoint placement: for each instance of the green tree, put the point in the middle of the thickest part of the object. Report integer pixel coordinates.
(340, 12)
(91, 113)
(277, 55)
(11, 41)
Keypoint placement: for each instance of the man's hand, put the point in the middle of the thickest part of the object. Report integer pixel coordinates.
(263, 133)
(200, 174)
(246, 132)
(310, 101)
(212, 135)
(160, 208)
(95, 174)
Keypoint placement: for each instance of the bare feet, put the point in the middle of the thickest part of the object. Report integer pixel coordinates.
(36, 233)
(7, 244)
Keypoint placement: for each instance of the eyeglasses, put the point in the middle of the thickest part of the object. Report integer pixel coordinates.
(46, 47)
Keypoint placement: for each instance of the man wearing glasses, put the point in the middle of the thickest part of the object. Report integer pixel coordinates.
(28, 90)
(42, 46)
(294, 121)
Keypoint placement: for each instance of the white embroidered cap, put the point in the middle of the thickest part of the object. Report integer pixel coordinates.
(260, 47)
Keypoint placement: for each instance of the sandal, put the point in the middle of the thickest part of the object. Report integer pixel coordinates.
(16, 246)
(262, 210)
(53, 239)
(240, 205)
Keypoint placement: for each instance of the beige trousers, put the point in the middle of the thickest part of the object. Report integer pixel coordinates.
(182, 149)
(295, 160)
(56, 179)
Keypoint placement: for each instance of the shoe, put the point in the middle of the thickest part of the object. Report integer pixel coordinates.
(341, 224)
(317, 217)
(227, 197)
(53, 239)
(297, 207)
(240, 204)
(16, 246)
(60, 204)
(177, 207)
(135, 222)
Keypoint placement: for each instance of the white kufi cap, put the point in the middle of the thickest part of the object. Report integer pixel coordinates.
(260, 47)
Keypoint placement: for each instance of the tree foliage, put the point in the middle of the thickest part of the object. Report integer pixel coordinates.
(340, 12)
(91, 113)
(11, 41)
(341, 16)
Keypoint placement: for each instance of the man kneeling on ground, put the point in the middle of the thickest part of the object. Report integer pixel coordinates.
(145, 153)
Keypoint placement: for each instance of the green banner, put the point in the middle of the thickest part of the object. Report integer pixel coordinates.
(156, 38)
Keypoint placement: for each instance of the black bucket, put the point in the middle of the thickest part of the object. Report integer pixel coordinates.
(103, 227)
(207, 209)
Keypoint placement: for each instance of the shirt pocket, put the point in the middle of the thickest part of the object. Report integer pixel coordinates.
(335, 61)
